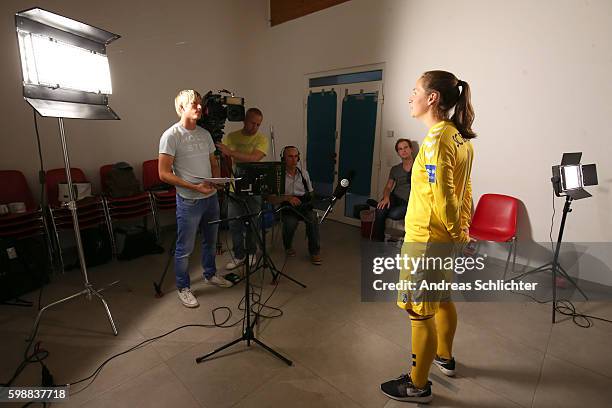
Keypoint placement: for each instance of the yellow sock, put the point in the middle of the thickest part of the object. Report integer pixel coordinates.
(446, 324)
(423, 349)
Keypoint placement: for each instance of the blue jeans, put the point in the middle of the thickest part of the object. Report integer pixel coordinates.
(237, 229)
(395, 211)
(192, 215)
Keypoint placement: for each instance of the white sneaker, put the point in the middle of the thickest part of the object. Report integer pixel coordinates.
(217, 280)
(234, 264)
(239, 262)
(187, 298)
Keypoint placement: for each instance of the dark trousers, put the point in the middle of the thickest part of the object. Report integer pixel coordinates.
(290, 222)
(243, 240)
(395, 211)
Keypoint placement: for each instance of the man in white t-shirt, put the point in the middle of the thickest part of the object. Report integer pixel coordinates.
(186, 156)
(298, 194)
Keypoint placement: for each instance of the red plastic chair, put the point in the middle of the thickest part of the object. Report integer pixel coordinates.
(495, 221)
(163, 199)
(21, 225)
(32, 222)
(15, 189)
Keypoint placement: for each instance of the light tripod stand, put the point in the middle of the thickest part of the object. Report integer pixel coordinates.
(568, 179)
(554, 266)
(89, 291)
(248, 334)
(66, 74)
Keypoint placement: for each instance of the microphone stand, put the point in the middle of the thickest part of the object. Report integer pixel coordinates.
(338, 193)
(329, 209)
(265, 262)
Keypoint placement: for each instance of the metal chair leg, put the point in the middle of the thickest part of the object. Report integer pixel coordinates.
(510, 251)
(514, 255)
(58, 244)
(154, 211)
(109, 226)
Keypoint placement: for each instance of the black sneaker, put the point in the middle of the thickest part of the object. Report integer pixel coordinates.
(402, 389)
(446, 366)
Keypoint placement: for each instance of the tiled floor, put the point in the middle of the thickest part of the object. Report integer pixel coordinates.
(509, 354)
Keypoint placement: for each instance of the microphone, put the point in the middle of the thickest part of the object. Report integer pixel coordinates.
(338, 193)
(340, 190)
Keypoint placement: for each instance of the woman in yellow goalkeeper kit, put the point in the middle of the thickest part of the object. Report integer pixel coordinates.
(437, 219)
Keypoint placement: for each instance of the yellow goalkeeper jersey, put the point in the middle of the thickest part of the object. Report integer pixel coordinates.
(440, 205)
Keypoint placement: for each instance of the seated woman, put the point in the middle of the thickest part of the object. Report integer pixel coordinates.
(397, 190)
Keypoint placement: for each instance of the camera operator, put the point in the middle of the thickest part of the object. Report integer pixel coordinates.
(298, 194)
(244, 145)
(186, 154)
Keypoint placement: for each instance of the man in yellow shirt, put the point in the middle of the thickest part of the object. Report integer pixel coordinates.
(244, 145)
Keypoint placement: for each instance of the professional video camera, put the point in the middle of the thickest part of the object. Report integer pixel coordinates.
(217, 109)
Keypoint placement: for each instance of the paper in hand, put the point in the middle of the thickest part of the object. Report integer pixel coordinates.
(219, 180)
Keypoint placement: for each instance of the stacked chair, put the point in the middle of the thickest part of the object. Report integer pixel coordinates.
(25, 224)
(135, 206)
(23, 265)
(90, 210)
(162, 196)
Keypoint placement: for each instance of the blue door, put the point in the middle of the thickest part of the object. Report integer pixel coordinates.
(321, 140)
(357, 136)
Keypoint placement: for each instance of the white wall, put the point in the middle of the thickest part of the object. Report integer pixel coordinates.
(162, 50)
(539, 73)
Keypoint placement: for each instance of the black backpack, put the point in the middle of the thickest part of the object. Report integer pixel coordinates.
(97, 247)
(135, 242)
(121, 182)
(24, 266)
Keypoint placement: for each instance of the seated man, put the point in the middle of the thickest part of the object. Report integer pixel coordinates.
(298, 193)
(397, 191)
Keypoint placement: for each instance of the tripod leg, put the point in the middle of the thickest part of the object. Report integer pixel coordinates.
(544, 267)
(50, 305)
(204, 357)
(564, 273)
(108, 313)
(291, 279)
(156, 285)
(286, 360)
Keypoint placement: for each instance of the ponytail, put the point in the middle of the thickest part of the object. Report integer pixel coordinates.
(463, 117)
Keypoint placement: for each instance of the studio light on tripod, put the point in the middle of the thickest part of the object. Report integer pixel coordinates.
(570, 177)
(65, 74)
